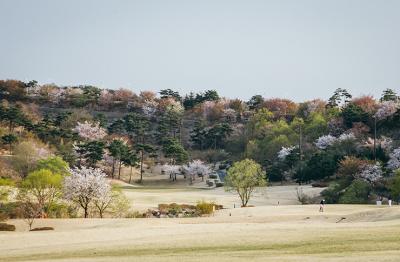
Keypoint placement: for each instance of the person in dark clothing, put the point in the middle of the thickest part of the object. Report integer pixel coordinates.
(321, 205)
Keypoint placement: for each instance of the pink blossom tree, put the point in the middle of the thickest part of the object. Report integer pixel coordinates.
(90, 131)
(386, 109)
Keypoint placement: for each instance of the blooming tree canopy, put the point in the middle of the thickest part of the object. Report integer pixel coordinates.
(325, 141)
(284, 152)
(386, 109)
(171, 169)
(197, 167)
(86, 185)
(90, 131)
(346, 136)
(394, 161)
(371, 173)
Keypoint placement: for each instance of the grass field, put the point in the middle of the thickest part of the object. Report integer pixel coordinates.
(287, 233)
(267, 232)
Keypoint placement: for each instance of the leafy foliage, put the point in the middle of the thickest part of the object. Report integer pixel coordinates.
(243, 177)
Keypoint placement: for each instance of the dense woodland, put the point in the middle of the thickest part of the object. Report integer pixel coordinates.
(350, 144)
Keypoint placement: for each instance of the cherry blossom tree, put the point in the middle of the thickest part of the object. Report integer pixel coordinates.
(106, 98)
(394, 161)
(386, 109)
(171, 170)
(197, 167)
(316, 105)
(149, 107)
(346, 137)
(325, 141)
(284, 152)
(90, 131)
(371, 173)
(86, 185)
(229, 114)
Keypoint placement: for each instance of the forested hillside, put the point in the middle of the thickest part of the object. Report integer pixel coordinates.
(351, 142)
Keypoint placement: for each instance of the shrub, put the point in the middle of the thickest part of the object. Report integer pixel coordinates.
(332, 193)
(42, 228)
(3, 216)
(11, 210)
(135, 214)
(320, 184)
(356, 193)
(60, 211)
(205, 208)
(173, 208)
(6, 227)
(120, 205)
(302, 197)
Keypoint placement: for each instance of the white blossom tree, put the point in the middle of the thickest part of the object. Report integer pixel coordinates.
(346, 137)
(284, 152)
(197, 167)
(394, 160)
(103, 200)
(325, 141)
(371, 173)
(171, 170)
(149, 107)
(386, 109)
(229, 114)
(90, 131)
(86, 185)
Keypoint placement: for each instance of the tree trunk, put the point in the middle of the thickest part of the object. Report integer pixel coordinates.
(130, 176)
(119, 169)
(86, 211)
(113, 168)
(141, 166)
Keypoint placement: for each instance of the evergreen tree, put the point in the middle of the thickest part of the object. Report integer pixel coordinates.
(389, 95)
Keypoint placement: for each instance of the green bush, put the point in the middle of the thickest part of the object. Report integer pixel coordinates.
(11, 210)
(60, 211)
(135, 214)
(356, 193)
(6, 227)
(6, 182)
(332, 193)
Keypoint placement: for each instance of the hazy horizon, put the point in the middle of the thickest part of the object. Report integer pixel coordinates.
(294, 49)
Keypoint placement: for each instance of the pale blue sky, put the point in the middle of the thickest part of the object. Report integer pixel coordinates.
(283, 48)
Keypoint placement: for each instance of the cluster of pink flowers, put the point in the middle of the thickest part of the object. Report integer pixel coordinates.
(386, 109)
(90, 131)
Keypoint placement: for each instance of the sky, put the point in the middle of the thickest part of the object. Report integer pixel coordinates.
(284, 48)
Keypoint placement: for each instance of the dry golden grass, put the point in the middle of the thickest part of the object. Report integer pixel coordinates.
(266, 233)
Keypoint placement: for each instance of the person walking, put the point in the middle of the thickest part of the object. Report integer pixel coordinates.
(321, 205)
(390, 201)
